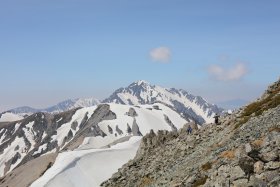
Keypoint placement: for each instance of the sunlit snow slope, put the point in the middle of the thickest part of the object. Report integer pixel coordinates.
(88, 168)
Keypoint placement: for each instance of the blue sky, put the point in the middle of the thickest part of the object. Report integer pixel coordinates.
(57, 49)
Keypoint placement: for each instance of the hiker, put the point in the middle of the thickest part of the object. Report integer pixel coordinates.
(189, 130)
(216, 117)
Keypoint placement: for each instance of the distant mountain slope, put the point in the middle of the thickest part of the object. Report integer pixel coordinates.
(60, 107)
(87, 128)
(190, 106)
(71, 104)
(24, 110)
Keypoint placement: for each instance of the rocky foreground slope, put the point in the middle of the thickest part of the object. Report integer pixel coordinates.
(242, 151)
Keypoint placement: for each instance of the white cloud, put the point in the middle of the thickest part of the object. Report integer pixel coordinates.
(231, 74)
(160, 54)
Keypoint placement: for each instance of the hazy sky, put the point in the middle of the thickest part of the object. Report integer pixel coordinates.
(51, 50)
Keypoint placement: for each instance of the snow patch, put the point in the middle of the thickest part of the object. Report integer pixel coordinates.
(3, 135)
(41, 149)
(88, 168)
(16, 127)
(59, 120)
(9, 117)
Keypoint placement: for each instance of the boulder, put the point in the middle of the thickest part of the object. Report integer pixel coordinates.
(248, 148)
(258, 167)
(247, 165)
(270, 156)
(236, 173)
(132, 113)
(272, 166)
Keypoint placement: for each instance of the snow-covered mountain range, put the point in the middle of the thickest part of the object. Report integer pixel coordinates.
(140, 92)
(44, 135)
(63, 106)
(190, 106)
(60, 107)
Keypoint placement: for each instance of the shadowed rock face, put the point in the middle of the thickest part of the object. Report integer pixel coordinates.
(188, 112)
(169, 122)
(128, 129)
(132, 112)
(135, 129)
(110, 129)
(119, 131)
(237, 152)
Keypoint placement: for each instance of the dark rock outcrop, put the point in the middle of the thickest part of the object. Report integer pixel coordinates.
(135, 129)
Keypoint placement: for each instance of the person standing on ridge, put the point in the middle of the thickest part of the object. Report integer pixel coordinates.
(216, 117)
(189, 130)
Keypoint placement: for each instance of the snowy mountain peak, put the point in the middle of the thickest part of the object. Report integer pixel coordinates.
(141, 92)
(141, 82)
(141, 85)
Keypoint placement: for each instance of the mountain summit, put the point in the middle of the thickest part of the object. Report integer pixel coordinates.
(190, 106)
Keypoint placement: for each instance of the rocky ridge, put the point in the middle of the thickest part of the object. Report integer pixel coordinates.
(243, 150)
